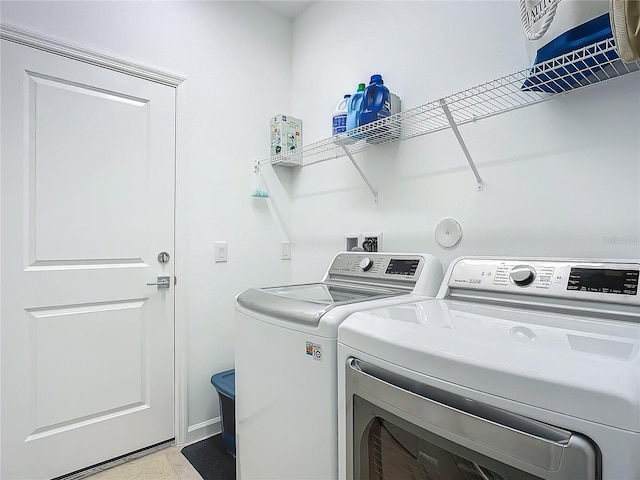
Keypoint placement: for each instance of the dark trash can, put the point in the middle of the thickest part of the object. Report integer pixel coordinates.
(225, 385)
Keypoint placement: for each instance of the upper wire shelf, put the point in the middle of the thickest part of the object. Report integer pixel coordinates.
(578, 69)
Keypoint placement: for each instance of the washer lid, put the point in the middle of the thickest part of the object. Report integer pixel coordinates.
(309, 302)
(584, 367)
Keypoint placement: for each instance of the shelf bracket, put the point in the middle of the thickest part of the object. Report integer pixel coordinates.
(364, 177)
(454, 127)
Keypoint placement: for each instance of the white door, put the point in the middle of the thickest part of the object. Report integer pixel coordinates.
(87, 189)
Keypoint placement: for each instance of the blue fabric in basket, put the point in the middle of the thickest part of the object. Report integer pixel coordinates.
(565, 78)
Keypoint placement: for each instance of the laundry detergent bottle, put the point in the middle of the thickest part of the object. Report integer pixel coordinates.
(375, 102)
(354, 107)
(340, 116)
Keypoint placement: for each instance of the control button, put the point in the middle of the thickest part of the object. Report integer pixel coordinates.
(522, 334)
(365, 264)
(522, 275)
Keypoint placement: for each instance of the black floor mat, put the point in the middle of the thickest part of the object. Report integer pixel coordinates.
(210, 459)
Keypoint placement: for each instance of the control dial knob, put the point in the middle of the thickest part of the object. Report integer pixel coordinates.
(522, 275)
(365, 264)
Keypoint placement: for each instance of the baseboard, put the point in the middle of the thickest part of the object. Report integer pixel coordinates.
(203, 430)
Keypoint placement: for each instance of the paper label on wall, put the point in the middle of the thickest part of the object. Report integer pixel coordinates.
(314, 350)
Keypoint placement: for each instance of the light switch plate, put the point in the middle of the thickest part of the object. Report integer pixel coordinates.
(221, 253)
(286, 250)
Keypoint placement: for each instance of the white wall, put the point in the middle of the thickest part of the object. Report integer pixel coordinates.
(236, 57)
(561, 178)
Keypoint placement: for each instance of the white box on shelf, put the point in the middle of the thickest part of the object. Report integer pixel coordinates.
(286, 134)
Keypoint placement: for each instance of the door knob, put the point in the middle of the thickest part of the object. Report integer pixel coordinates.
(163, 282)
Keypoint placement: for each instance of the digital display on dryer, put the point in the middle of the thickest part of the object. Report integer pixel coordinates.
(402, 267)
(604, 280)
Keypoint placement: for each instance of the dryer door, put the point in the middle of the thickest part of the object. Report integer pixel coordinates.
(399, 429)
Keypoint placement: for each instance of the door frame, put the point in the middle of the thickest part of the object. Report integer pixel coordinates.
(51, 45)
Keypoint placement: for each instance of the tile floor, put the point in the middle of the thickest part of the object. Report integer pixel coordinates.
(166, 464)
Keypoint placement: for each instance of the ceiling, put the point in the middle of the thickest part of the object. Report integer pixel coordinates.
(290, 9)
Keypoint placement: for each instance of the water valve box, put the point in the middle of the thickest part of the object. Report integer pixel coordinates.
(286, 134)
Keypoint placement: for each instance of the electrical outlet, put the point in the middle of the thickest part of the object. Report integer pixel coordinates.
(351, 240)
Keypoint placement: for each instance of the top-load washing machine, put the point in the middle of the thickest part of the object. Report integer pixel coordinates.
(519, 369)
(285, 359)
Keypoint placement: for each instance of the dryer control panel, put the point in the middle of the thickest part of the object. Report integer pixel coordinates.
(574, 279)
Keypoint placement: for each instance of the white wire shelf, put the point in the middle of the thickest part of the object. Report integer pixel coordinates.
(573, 71)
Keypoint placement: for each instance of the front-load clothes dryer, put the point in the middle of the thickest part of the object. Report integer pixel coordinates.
(285, 359)
(519, 369)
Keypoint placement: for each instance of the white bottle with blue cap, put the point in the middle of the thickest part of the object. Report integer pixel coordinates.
(340, 116)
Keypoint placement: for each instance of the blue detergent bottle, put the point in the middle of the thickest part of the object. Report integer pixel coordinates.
(375, 103)
(354, 107)
(340, 116)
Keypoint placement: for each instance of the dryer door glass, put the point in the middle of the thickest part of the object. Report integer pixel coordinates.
(393, 453)
(390, 448)
(402, 429)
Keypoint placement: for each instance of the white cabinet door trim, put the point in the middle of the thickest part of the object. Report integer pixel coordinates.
(75, 52)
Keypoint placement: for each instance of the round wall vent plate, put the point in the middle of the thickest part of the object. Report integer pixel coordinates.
(448, 233)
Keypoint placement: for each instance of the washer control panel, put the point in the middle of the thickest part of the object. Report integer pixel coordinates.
(585, 280)
(405, 268)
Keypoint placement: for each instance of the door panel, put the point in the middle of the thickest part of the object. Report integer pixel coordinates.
(87, 185)
(107, 381)
(92, 170)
